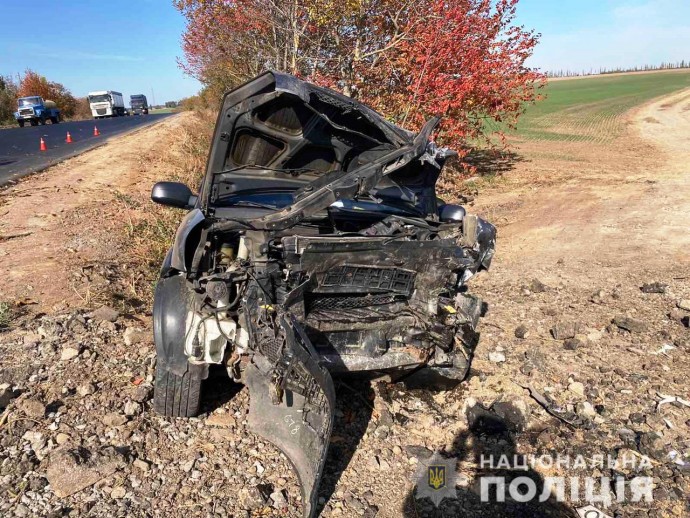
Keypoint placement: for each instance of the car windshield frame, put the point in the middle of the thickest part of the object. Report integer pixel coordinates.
(28, 101)
(100, 98)
(260, 198)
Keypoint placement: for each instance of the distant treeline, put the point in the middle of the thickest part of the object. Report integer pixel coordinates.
(604, 70)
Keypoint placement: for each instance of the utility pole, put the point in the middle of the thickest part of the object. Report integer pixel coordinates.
(153, 98)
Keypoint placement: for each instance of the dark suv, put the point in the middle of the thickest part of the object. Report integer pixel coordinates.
(316, 246)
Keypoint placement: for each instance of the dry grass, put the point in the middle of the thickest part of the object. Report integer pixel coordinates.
(5, 315)
(147, 229)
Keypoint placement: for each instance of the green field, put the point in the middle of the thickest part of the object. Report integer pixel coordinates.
(591, 109)
(164, 110)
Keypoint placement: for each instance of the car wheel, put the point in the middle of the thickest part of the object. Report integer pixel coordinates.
(43, 121)
(21, 124)
(176, 396)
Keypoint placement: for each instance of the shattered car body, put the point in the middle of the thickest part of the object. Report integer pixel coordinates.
(316, 246)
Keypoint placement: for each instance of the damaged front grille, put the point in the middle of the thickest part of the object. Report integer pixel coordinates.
(348, 302)
(354, 279)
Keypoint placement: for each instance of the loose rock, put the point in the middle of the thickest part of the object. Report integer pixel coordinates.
(69, 353)
(143, 393)
(577, 388)
(536, 286)
(521, 331)
(497, 357)
(71, 470)
(133, 336)
(630, 324)
(654, 287)
(278, 499)
(105, 313)
(118, 492)
(132, 408)
(114, 419)
(33, 408)
(684, 304)
(224, 420)
(86, 390)
(652, 444)
(141, 465)
(564, 330)
(585, 409)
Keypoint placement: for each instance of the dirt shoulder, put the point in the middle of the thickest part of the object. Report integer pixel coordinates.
(57, 219)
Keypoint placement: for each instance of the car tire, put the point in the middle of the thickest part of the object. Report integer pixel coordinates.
(43, 121)
(176, 396)
(21, 124)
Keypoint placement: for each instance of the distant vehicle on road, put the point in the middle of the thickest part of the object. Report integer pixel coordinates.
(139, 104)
(36, 111)
(106, 103)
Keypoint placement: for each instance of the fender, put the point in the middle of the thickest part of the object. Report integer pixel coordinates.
(183, 249)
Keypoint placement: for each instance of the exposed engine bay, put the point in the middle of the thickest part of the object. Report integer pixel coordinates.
(316, 246)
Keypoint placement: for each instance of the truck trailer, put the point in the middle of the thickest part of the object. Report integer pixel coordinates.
(138, 104)
(106, 103)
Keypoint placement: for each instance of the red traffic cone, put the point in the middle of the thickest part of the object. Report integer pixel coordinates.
(95, 131)
(69, 138)
(43, 145)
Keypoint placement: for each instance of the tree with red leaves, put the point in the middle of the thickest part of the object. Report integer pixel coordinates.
(410, 59)
(36, 84)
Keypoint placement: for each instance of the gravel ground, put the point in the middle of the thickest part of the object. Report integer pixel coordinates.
(79, 437)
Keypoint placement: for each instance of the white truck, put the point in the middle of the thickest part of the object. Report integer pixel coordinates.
(106, 103)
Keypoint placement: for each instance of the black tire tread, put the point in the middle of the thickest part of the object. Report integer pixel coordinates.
(176, 396)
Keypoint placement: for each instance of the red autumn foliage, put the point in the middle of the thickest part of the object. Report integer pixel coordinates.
(36, 84)
(410, 59)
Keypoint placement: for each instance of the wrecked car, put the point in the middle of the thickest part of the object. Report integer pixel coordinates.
(316, 247)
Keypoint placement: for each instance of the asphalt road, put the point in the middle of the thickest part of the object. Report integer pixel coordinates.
(20, 152)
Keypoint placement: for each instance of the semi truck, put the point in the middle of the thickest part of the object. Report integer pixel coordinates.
(106, 103)
(138, 104)
(35, 111)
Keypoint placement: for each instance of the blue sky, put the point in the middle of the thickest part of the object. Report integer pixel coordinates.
(132, 45)
(128, 45)
(584, 34)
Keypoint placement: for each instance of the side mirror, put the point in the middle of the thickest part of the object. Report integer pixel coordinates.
(450, 213)
(173, 194)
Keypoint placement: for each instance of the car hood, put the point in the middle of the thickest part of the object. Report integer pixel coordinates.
(278, 133)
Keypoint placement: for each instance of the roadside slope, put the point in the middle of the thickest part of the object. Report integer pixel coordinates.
(40, 237)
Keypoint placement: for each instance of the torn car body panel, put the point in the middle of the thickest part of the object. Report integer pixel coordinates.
(292, 403)
(318, 246)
